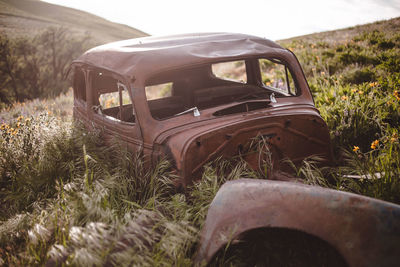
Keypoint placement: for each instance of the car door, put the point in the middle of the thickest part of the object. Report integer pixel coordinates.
(112, 110)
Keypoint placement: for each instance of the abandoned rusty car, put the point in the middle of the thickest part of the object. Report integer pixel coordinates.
(195, 98)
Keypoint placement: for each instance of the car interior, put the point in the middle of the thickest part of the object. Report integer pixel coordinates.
(219, 84)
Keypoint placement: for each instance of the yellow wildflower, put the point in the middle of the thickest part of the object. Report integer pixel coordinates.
(360, 92)
(394, 138)
(3, 126)
(356, 148)
(109, 102)
(396, 94)
(18, 124)
(373, 84)
(353, 90)
(344, 98)
(374, 144)
(20, 118)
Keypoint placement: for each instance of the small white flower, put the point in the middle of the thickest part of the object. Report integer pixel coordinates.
(38, 232)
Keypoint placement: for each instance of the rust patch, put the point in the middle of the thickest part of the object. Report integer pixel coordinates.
(365, 231)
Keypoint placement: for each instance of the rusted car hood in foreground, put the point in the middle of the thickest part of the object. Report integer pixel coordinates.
(365, 231)
(294, 136)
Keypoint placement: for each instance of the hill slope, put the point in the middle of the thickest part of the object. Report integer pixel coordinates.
(27, 17)
(386, 26)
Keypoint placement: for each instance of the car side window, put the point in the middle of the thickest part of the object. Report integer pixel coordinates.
(277, 77)
(112, 99)
(79, 85)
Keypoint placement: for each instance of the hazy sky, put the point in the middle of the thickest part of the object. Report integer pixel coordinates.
(273, 19)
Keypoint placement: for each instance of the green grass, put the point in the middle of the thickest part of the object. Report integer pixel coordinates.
(356, 85)
(68, 199)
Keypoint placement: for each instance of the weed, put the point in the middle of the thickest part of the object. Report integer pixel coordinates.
(68, 200)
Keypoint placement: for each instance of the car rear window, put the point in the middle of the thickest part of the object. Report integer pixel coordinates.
(232, 71)
(159, 91)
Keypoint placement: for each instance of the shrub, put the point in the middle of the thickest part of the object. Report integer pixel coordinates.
(36, 67)
(348, 58)
(358, 76)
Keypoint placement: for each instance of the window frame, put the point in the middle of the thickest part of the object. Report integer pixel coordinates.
(96, 93)
(231, 79)
(287, 70)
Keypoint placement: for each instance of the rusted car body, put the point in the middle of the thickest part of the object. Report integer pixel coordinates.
(200, 116)
(194, 98)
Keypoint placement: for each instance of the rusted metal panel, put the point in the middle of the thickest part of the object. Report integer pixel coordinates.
(294, 128)
(306, 135)
(142, 57)
(365, 231)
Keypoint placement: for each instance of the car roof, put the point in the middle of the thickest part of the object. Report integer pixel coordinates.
(139, 57)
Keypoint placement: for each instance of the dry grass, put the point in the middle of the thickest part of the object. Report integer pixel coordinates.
(29, 17)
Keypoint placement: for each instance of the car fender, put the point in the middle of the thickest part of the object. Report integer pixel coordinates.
(365, 231)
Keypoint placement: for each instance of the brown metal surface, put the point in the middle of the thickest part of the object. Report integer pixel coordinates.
(292, 125)
(140, 58)
(365, 231)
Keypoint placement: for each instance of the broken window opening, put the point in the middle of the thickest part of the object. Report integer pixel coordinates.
(113, 99)
(277, 77)
(172, 93)
(234, 71)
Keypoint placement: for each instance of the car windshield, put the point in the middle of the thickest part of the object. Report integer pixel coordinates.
(191, 90)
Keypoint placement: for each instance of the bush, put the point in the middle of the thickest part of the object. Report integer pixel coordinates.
(348, 58)
(359, 76)
(36, 67)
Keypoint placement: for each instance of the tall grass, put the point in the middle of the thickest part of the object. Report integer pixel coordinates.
(72, 200)
(69, 200)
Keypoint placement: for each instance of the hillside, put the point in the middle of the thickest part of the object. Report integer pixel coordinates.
(28, 17)
(390, 26)
(67, 199)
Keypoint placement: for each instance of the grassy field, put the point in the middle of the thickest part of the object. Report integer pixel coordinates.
(67, 199)
(22, 18)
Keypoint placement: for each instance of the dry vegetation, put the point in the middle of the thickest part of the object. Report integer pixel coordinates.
(69, 200)
(22, 18)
